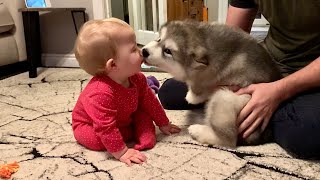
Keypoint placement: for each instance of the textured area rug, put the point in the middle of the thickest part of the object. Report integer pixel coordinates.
(35, 131)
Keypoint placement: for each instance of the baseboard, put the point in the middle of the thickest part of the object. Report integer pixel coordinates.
(69, 60)
(13, 69)
(260, 29)
(59, 60)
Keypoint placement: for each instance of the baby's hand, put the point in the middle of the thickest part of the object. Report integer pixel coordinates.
(132, 155)
(169, 129)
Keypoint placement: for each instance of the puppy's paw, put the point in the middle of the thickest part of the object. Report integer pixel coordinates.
(198, 133)
(193, 98)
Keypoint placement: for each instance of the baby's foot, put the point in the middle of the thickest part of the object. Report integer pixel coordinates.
(145, 145)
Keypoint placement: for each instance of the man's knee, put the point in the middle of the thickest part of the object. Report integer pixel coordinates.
(172, 95)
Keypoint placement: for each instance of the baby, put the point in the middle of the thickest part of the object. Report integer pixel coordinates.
(117, 105)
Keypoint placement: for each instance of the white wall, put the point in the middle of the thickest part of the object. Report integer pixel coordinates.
(57, 29)
(58, 33)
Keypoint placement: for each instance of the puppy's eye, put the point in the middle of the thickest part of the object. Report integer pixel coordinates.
(167, 51)
(158, 40)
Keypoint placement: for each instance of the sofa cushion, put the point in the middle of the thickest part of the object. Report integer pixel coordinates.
(8, 51)
(6, 21)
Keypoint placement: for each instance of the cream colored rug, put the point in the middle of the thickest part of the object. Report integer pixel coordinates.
(35, 131)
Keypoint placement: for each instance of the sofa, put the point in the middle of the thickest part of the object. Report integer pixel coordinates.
(12, 41)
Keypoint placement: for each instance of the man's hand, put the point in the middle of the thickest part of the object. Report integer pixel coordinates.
(169, 129)
(132, 155)
(266, 97)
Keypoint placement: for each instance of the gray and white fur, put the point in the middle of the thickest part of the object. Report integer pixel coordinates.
(207, 57)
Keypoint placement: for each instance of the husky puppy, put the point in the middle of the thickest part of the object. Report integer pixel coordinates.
(208, 57)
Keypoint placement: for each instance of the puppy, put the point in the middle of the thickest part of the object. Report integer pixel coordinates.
(207, 57)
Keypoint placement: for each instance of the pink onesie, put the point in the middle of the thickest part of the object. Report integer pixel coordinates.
(107, 114)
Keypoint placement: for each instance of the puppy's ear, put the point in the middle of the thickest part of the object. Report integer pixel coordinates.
(199, 55)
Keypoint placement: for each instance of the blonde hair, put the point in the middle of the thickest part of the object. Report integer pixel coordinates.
(96, 44)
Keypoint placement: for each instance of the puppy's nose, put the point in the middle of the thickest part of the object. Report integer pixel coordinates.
(145, 53)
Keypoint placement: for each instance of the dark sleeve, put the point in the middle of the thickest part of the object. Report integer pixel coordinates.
(243, 3)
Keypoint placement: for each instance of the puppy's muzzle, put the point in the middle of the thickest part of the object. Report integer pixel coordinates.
(145, 53)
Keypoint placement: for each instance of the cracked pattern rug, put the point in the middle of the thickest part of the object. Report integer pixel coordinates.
(35, 131)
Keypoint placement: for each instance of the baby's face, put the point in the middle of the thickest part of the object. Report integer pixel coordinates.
(129, 55)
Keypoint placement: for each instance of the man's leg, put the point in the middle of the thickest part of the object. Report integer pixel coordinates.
(172, 95)
(143, 130)
(296, 125)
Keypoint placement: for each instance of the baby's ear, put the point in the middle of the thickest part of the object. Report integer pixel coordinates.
(110, 65)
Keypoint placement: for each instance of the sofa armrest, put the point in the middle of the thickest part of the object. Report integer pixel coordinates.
(13, 6)
(6, 21)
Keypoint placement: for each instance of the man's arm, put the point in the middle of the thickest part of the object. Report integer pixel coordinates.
(266, 97)
(241, 17)
(302, 80)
